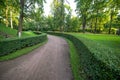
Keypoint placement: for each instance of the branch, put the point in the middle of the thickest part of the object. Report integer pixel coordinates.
(28, 5)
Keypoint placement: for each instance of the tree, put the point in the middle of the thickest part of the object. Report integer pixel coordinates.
(99, 13)
(22, 3)
(75, 24)
(58, 13)
(26, 5)
(67, 17)
(2, 5)
(113, 12)
(49, 21)
(82, 10)
(62, 16)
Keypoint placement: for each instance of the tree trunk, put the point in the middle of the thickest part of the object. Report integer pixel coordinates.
(62, 16)
(11, 22)
(91, 27)
(110, 25)
(20, 18)
(84, 23)
(118, 32)
(95, 30)
(91, 30)
(96, 21)
(6, 14)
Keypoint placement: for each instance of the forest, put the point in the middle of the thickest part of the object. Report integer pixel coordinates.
(95, 16)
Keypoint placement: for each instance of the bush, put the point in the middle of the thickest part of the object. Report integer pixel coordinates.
(37, 32)
(98, 62)
(113, 30)
(11, 45)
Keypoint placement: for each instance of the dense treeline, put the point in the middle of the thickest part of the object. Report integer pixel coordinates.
(92, 15)
(99, 15)
(17, 12)
(96, 16)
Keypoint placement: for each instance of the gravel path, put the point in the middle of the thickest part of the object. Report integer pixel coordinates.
(49, 62)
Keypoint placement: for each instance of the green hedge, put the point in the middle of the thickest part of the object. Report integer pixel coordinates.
(98, 62)
(11, 45)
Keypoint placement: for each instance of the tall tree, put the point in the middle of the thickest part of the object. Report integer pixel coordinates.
(9, 11)
(82, 10)
(59, 14)
(67, 17)
(2, 5)
(26, 5)
(113, 8)
(98, 13)
(22, 2)
(62, 15)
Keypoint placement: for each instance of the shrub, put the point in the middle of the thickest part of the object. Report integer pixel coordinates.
(113, 30)
(11, 45)
(98, 62)
(37, 32)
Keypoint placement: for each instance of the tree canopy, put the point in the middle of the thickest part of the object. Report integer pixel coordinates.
(92, 15)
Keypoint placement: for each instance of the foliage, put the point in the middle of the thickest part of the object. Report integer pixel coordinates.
(10, 45)
(20, 52)
(75, 61)
(58, 12)
(13, 32)
(82, 9)
(94, 14)
(34, 15)
(8, 30)
(111, 41)
(11, 9)
(95, 59)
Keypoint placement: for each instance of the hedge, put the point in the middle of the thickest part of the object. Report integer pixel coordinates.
(97, 63)
(10, 45)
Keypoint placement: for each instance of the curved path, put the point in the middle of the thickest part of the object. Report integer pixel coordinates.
(49, 62)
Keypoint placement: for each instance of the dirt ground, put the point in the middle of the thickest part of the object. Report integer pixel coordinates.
(49, 62)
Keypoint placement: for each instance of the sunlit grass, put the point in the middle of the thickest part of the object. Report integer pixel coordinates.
(13, 32)
(112, 41)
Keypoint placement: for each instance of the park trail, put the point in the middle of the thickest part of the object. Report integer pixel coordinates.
(48, 62)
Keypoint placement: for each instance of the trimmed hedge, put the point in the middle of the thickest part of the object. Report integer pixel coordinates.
(11, 45)
(97, 62)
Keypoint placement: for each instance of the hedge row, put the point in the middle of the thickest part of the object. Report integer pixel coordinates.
(11, 45)
(97, 63)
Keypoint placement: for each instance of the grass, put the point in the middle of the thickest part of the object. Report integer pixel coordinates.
(97, 53)
(13, 35)
(8, 30)
(103, 48)
(20, 52)
(111, 41)
(13, 32)
(28, 33)
(1, 37)
(75, 61)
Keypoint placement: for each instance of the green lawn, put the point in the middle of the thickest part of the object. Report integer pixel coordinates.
(98, 52)
(13, 32)
(8, 30)
(111, 41)
(93, 55)
(13, 35)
